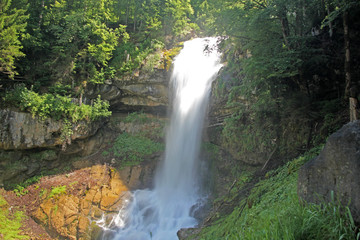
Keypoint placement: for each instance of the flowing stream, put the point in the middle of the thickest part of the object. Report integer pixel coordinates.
(159, 213)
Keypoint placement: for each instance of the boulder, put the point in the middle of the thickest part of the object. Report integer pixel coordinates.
(335, 170)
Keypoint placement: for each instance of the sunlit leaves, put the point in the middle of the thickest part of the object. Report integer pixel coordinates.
(12, 27)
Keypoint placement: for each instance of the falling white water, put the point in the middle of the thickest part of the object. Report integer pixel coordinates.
(159, 213)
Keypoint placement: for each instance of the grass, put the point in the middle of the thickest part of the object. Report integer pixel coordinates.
(273, 211)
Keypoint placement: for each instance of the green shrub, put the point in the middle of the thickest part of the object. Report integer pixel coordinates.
(99, 109)
(130, 56)
(20, 191)
(55, 106)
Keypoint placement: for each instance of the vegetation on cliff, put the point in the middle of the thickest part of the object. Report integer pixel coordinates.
(142, 137)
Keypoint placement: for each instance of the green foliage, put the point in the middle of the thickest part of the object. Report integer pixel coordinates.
(20, 191)
(10, 224)
(169, 56)
(55, 106)
(12, 28)
(133, 149)
(273, 211)
(88, 42)
(43, 192)
(331, 119)
(72, 42)
(57, 191)
(131, 56)
(99, 109)
(176, 13)
(66, 133)
(274, 80)
(60, 89)
(337, 8)
(211, 149)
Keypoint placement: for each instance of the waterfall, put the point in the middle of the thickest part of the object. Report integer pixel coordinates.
(159, 213)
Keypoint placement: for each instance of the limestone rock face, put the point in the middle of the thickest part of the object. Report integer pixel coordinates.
(20, 131)
(336, 169)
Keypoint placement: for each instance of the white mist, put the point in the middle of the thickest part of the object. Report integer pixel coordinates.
(159, 213)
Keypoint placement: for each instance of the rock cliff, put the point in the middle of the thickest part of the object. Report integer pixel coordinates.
(21, 131)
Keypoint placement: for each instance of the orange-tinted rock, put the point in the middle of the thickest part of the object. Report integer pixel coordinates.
(84, 224)
(70, 215)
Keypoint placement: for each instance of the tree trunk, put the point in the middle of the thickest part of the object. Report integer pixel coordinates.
(285, 29)
(127, 12)
(135, 19)
(41, 12)
(347, 54)
(353, 106)
(282, 13)
(330, 23)
(350, 91)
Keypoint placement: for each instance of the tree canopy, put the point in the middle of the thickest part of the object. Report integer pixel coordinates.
(12, 28)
